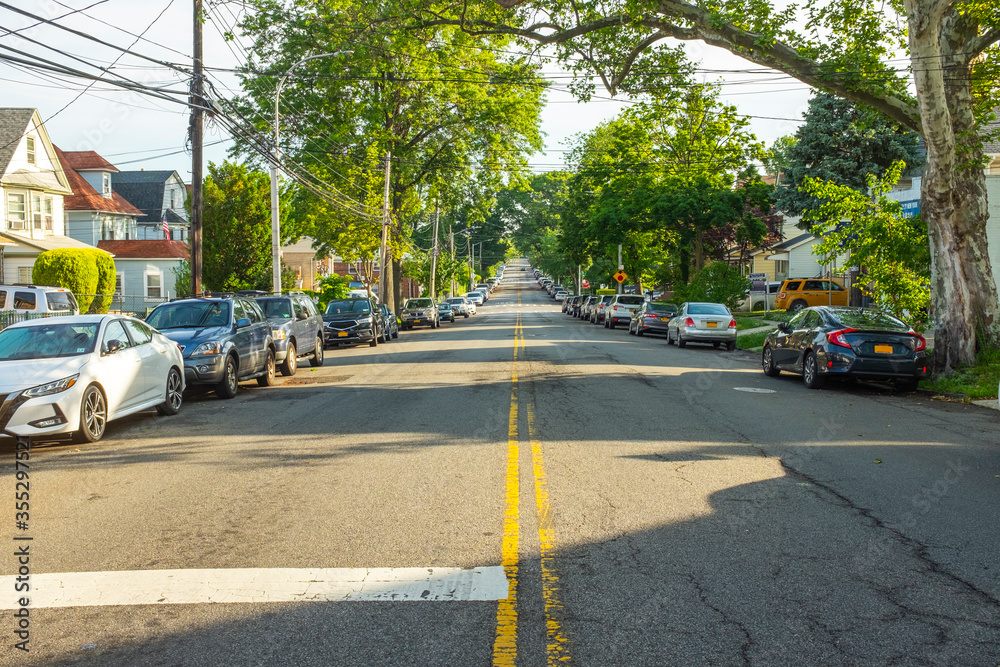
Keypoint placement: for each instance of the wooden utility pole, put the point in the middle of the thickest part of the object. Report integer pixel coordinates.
(451, 235)
(196, 133)
(385, 294)
(434, 252)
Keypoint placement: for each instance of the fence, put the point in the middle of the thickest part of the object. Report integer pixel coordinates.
(9, 317)
(136, 306)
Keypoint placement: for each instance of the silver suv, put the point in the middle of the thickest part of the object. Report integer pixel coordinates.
(621, 308)
(296, 328)
(38, 299)
(419, 312)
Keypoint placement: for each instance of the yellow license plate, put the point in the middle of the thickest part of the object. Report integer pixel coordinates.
(664, 319)
(883, 349)
(342, 333)
(416, 321)
(712, 325)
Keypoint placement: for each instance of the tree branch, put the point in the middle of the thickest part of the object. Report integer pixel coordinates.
(982, 43)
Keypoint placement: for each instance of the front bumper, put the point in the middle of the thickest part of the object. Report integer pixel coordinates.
(341, 336)
(421, 321)
(205, 369)
(280, 350)
(17, 413)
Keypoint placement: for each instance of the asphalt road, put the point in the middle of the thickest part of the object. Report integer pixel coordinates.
(647, 511)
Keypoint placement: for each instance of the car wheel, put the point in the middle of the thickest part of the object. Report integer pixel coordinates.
(797, 305)
(669, 341)
(267, 379)
(909, 384)
(374, 341)
(395, 334)
(317, 358)
(767, 363)
(434, 324)
(810, 372)
(731, 345)
(716, 344)
(291, 363)
(611, 324)
(93, 415)
(680, 340)
(638, 331)
(175, 397)
(230, 381)
(466, 316)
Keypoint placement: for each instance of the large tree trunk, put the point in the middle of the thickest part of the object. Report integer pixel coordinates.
(397, 280)
(953, 193)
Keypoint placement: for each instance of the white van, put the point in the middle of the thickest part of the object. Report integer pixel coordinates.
(38, 299)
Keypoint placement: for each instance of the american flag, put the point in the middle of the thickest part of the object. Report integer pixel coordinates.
(166, 228)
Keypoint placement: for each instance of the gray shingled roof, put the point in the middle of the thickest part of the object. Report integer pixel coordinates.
(145, 196)
(992, 147)
(13, 123)
(159, 176)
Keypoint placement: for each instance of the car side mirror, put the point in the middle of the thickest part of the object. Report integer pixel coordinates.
(114, 345)
(784, 327)
(302, 315)
(242, 322)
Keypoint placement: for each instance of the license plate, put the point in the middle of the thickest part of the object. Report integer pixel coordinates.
(342, 333)
(664, 319)
(883, 349)
(416, 321)
(712, 325)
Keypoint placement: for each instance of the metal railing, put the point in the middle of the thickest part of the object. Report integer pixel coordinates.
(9, 317)
(124, 304)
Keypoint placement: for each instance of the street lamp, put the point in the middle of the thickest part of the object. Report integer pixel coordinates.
(275, 224)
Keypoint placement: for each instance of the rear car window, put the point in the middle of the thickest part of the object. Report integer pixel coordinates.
(867, 319)
(631, 300)
(60, 300)
(707, 309)
(663, 307)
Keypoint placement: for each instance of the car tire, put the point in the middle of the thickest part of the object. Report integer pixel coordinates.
(797, 305)
(230, 380)
(267, 379)
(716, 344)
(395, 334)
(374, 341)
(731, 345)
(434, 324)
(810, 372)
(767, 363)
(93, 415)
(466, 316)
(291, 363)
(680, 340)
(638, 331)
(175, 396)
(317, 358)
(907, 385)
(611, 324)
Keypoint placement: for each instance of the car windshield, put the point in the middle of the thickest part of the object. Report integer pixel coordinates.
(419, 303)
(276, 307)
(473, 295)
(631, 300)
(707, 309)
(663, 307)
(856, 318)
(348, 307)
(189, 315)
(457, 301)
(444, 306)
(47, 341)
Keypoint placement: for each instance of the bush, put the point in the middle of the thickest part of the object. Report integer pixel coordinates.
(717, 283)
(332, 287)
(83, 271)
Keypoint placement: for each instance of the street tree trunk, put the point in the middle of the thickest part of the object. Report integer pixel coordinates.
(953, 189)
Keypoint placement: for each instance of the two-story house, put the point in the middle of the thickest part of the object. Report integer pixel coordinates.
(95, 212)
(32, 188)
(159, 195)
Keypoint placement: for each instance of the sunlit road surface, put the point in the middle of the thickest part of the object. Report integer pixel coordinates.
(517, 488)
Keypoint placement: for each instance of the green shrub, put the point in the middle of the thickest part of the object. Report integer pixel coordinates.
(716, 283)
(83, 271)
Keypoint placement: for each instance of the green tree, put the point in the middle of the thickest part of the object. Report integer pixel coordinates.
(87, 272)
(890, 246)
(843, 143)
(717, 283)
(236, 228)
(778, 159)
(847, 48)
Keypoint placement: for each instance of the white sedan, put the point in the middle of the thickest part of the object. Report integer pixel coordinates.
(74, 374)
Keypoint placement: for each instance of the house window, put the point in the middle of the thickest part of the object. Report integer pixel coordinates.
(36, 211)
(780, 267)
(106, 184)
(24, 275)
(154, 288)
(108, 227)
(30, 143)
(119, 284)
(16, 213)
(47, 213)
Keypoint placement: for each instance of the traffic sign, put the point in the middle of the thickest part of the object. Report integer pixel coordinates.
(586, 284)
(620, 276)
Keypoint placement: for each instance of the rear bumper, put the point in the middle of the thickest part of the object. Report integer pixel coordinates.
(709, 336)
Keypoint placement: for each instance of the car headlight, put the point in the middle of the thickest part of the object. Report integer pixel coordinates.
(208, 347)
(52, 387)
(364, 321)
(278, 334)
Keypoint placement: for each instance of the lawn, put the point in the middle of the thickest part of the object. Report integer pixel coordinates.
(977, 381)
(744, 323)
(752, 340)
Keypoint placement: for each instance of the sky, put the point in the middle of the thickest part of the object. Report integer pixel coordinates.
(134, 131)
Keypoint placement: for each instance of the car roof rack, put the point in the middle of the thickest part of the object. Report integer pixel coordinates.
(31, 286)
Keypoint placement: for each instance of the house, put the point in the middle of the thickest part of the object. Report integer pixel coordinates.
(33, 186)
(146, 271)
(310, 268)
(94, 211)
(159, 196)
(793, 257)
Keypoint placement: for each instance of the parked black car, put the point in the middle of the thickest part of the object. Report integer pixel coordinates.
(224, 341)
(842, 342)
(652, 317)
(352, 321)
(389, 323)
(296, 328)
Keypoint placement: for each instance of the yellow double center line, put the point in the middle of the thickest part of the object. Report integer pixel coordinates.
(505, 644)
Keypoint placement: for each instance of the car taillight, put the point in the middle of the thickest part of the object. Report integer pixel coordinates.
(837, 337)
(689, 322)
(921, 342)
(652, 316)
(781, 295)
(732, 323)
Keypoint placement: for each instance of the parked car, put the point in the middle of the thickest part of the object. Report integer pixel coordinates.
(296, 329)
(583, 311)
(652, 317)
(620, 309)
(224, 341)
(445, 312)
(475, 298)
(38, 299)
(598, 310)
(799, 293)
(460, 305)
(353, 321)
(390, 325)
(419, 312)
(842, 342)
(569, 303)
(759, 300)
(483, 292)
(73, 374)
(699, 322)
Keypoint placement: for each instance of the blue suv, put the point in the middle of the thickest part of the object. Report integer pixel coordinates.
(224, 341)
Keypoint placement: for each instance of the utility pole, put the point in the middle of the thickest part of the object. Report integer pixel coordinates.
(434, 252)
(621, 267)
(385, 290)
(472, 273)
(451, 235)
(196, 133)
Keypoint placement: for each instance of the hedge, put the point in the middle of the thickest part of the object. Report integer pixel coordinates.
(83, 271)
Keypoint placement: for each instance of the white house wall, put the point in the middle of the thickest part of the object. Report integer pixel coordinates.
(993, 225)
